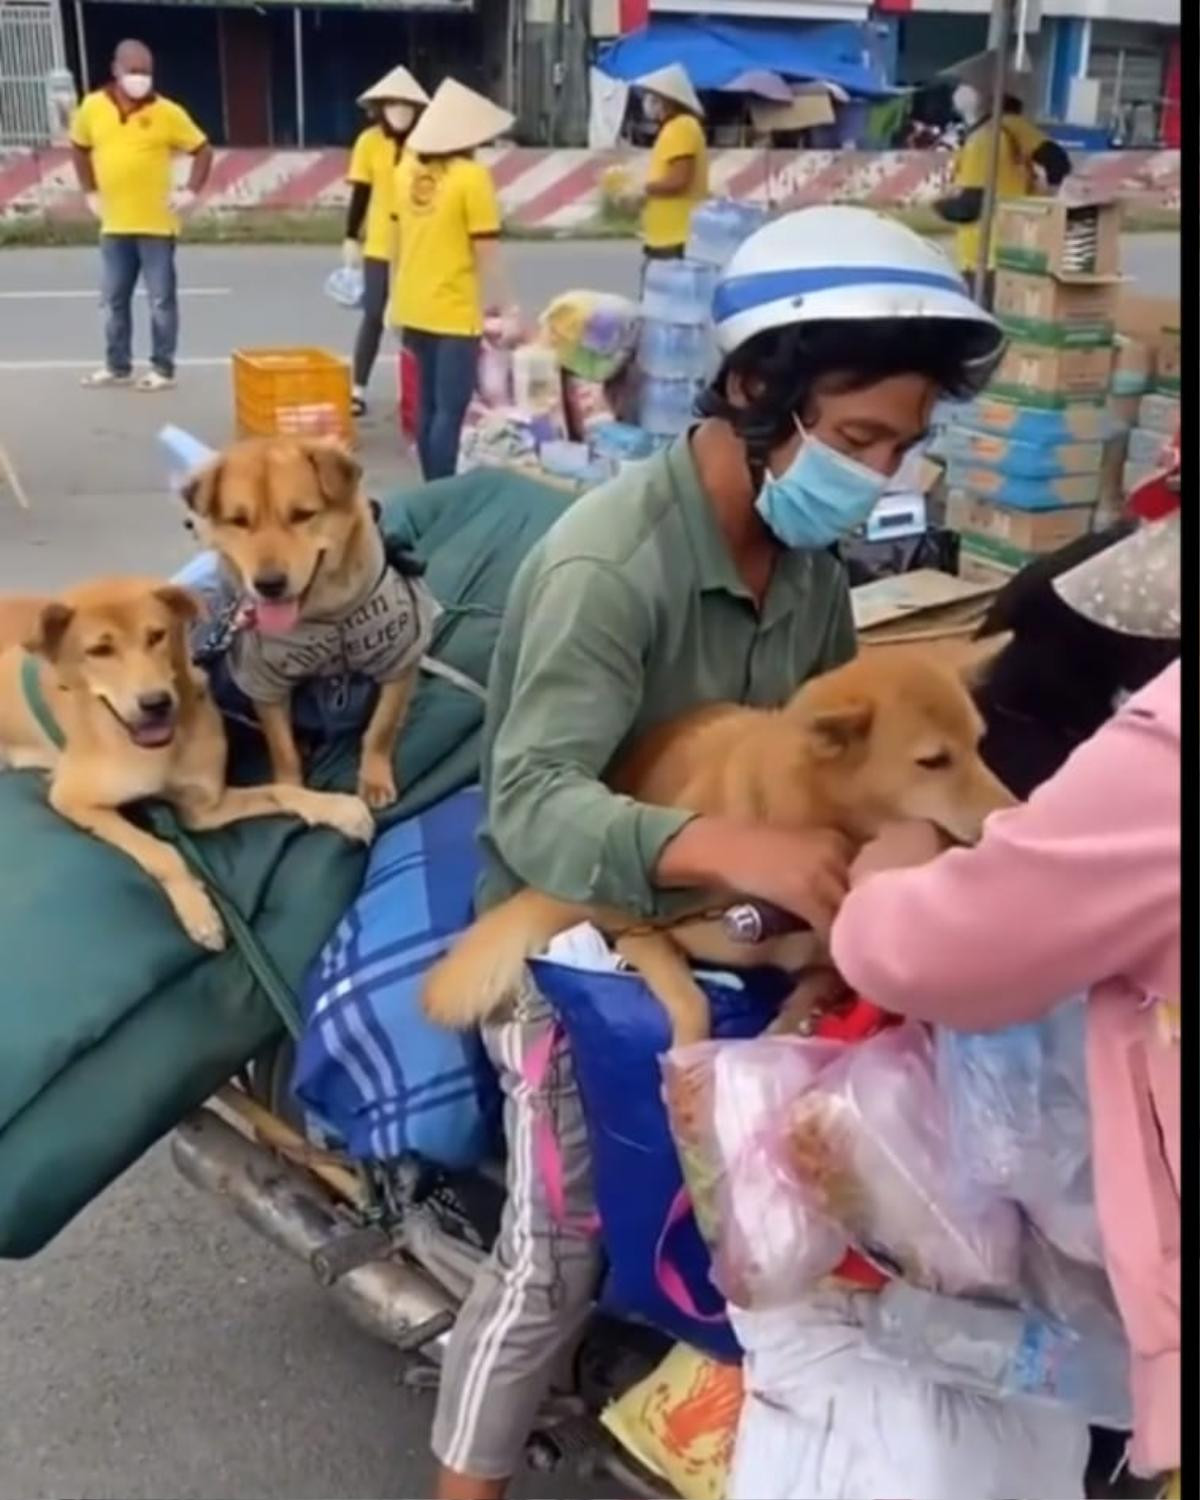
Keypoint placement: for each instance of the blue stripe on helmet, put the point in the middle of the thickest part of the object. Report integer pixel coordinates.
(742, 293)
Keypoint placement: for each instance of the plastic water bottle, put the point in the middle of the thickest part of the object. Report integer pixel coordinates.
(674, 351)
(666, 407)
(719, 226)
(1003, 1351)
(185, 454)
(678, 291)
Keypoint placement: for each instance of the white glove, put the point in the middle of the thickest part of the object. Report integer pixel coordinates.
(351, 253)
(183, 200)
(92, 200)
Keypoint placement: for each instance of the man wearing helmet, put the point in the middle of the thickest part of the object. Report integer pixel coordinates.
(705, 574)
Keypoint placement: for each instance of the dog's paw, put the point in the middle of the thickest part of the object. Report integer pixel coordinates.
(197, 914)
(377, 782)
(349, 816)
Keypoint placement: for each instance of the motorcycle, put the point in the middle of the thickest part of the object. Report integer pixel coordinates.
(397, 1243)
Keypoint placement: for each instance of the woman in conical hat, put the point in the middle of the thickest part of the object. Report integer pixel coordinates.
(448, 227)
(678, 176)
(393, 105)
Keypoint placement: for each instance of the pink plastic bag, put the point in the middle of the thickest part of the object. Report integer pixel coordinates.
(729, 1106)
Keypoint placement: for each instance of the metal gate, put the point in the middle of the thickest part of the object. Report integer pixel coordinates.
(31, 58)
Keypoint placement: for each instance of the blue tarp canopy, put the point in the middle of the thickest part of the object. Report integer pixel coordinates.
(715, 52)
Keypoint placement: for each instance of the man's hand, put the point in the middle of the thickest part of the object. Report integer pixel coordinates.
(804, 872)
(896, 847)
(92, 200)
(351, 253)
(183, 200)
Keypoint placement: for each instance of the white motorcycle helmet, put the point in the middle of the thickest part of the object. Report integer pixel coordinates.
(843, 265)
(838, 265)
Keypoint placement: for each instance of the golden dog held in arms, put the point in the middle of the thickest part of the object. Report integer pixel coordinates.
(893, 734)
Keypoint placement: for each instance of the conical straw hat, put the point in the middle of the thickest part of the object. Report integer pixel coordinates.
(672, 83)
(457, 119)
(398, 86)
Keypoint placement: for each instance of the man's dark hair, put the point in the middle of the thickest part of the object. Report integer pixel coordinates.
(786, 365)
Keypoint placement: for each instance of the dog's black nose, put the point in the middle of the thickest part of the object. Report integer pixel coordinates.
(270, 585)
(155, 705)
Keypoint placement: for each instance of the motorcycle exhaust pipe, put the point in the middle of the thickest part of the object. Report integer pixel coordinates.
(385, 1297)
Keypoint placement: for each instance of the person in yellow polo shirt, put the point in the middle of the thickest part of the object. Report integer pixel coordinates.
(123, 139)
(1024, 152)
(678, 175)
(394, 103)
(448, 254)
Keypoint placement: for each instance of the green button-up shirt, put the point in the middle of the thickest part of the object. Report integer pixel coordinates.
(628, 612)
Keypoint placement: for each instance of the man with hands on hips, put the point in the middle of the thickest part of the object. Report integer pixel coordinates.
(124, 138)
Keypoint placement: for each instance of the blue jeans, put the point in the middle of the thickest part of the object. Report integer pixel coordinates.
(446, 363)
(122, 257)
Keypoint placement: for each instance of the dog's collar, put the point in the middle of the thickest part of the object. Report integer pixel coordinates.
(31, 686)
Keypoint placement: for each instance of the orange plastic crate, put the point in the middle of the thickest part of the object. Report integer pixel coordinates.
(292, 393)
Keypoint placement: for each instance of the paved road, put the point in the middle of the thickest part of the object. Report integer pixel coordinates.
(88, 459)
(158, 1348)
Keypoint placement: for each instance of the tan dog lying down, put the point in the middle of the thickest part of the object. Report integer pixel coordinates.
(110, 663)
(882, 738)
(290, 519)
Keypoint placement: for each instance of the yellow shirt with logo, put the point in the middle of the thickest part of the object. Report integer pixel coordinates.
(1019, 139)
(442, 206)
(131, 150)
(665, 221)
(373, 162)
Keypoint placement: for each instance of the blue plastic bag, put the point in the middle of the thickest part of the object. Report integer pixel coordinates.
(345, 286)
(1019, 1118)
(658, 1263)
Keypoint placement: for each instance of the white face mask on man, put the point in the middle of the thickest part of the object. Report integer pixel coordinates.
(653, 109)
(399, 116)
(136, 85)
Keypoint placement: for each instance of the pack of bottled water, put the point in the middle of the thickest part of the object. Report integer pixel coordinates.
(719, 226)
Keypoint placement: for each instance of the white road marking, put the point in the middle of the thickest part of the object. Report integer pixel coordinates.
(14, 366)
(80, 294)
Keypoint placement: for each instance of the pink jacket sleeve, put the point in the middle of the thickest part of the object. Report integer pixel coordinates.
(1079, 885)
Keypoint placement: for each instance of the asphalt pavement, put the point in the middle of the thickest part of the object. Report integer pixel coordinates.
(158, 1348)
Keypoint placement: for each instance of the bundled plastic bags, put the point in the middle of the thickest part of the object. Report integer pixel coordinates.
(872, 1139)
(797, 1150)
(593, 334)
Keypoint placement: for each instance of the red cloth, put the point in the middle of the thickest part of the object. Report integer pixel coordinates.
(408, 379)
(1156, 497)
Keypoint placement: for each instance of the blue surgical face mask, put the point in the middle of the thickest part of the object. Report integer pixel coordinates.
(820, 497)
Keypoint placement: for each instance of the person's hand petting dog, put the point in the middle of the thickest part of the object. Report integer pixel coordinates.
(896, 847)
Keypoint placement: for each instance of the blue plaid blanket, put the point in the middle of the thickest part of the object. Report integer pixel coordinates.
(377, 1078)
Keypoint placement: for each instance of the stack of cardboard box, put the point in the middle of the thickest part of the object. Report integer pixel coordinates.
(1148, 338)
(1027, 462)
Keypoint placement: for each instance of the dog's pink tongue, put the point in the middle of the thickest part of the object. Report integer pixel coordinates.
(276, 617)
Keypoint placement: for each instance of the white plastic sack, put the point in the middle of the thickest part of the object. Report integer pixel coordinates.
(823, 1421)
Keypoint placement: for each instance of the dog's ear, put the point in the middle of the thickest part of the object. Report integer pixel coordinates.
(202, 490)
(973, 660)
(52, 624)
(183, 603)
(338, 474)
(835, 730)
(20, 617)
